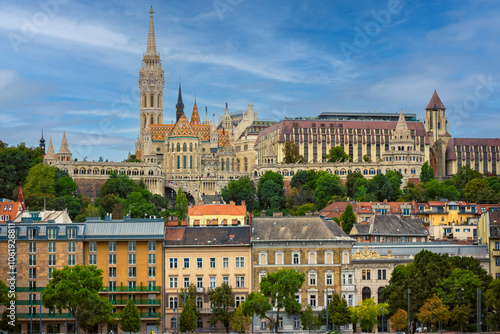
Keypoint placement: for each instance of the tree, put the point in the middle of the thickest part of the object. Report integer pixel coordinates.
(348, 219)
(414, 192)
(92, 211)
(130, 319)
(71, 288)
(277, 289)
(434, 311)
(327, 186)
(338, 312)
(400, 319)
(366, 313)
(240, 190)
(270, 184)
(291, 153)
(478, 191)
(221, 299)
(460, 287)
(426, 172)
(461, 314)
(181, 205)
(65, 186)
(40, 180)
(118, 184)
(97, 312)
(464, 175)
(492, 300)
(337, 154)
(366, 158)
(395, 180)
(380, 187)
(301, 210)
(241, 322)
(187, 318)
(310, 321)
(350, 182)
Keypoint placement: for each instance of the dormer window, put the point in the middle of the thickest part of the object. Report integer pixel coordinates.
(51, 233)
(71, 233)
(32, 232)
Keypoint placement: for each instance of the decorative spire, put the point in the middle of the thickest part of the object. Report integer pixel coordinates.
(42, 142)
(50, 155)
(195, 116)
(64, 145)
(151, 48)
(179, 107)
(435, 103)
(20, 198)
(401, 131)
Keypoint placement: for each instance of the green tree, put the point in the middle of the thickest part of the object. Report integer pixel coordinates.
(338, 312)
(327, 186)
(301, 210)
(40, 180)
(181, 205)
(92, 211)
(71, 288)
(270, 184)
(132, 158)
(278, 289)
(478, 191)
(492, 300)
(434, 311)
(464, 175)
(65, 186)
(187, 318)
(426, 172)
(380, 187)
(240, 190)
(96, 312)
(310, 321)
(118, 184)
(347, 219)
(414, 192)
(350, 182)
(291, 153)
(130, 319)
(221, 299)
(160, 202)
(400, 319)
(395, 180)
(241, 322)
(366, 158)
(337, 154)
(9, 324)
(461, 314)
(366, 313)
(458, 288)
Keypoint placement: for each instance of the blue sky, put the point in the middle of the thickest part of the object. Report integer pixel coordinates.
(68, 65)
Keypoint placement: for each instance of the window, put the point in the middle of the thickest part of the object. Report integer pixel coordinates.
(151, 271)
(296, 323)
(51, 233)
(173, 282)
(132, 272)
(151, 287)
(239, 300)
(199, 282)
(366, 293)
(172, 303)
(32, 273)
(151, 246)
(347, 279)
(132, 246)
(263, 324)
(52, 247)
(212, 262)
(50, 272)
(112, 246)
(71, 233)
(71, 259)
(152, 259)
(32, 260)
(312, 278)
(240, 281)
(365, 275)
(92, 259)
(112, 286)
(199, 302)
(52, 259)
(199, 323)
(382, 274)
(112, 259)
(132, 259)
(240, 262)
(296, 258)
(186, 262)
(112, 272)
(212, 282)
(312, 300)
(92, 246)
(32, 247)
(329, 279)
(497, 245)
(225, 262)
(32, 234)
(225, 280)
(32, 285)
(199, 263)
(71, 247)
(132, 286)
(186, 282)
(497, 261)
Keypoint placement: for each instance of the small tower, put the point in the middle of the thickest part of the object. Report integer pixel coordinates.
(42, 143)
(179, 107)
(50, 157)
(20, 198)
(64, 153)
(435, 117)
(195, 116)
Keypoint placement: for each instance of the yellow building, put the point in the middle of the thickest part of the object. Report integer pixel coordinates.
(316, 247)
(217, 214)
(206, 257)
(130, 254)
(489, 234)
(39, 249)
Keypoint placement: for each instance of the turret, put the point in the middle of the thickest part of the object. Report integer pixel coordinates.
(179, 107)
(64, 153)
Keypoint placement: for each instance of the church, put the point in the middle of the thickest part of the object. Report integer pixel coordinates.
(202, 157)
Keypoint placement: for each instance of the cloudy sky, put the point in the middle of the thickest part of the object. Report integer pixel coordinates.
(68, 65)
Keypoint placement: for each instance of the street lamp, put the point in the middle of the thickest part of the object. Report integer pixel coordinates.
(408, 310)
(327, 310)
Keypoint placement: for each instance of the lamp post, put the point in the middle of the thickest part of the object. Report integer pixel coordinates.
(177, 306)
(408, 311)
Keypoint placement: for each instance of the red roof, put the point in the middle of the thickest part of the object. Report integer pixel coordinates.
(435, 102)
(217, 209)
(9, 211)
(173, 234)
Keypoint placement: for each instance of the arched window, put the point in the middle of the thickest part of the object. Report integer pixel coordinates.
(199, 302)
(152, 101)
(190, 162)
(191, 147)
(366, 293)
(238, 165)
(296, 259)
(178, 162)
(222, 165)
(158, 104)
(380, 299)
(144, 101)
(178, 147)
(245, 160)
(173, 323)
(227, 164)
(185, 162)
(199, 323)
(184, 147)
(152, 120)
(144, 120)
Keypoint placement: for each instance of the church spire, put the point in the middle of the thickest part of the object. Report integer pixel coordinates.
(179, 107)
(195, 116)
(151, 48)
(42, 143)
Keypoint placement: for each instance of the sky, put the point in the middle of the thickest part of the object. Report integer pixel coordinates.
(69, 65)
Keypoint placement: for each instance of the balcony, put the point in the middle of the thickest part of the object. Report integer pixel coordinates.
(27, 289)
(205, 310)
(150, 315)
(136, 289)
(45, 316)
(137, 302)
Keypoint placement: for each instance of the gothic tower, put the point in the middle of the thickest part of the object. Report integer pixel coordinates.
(151, 81)
(179, 107)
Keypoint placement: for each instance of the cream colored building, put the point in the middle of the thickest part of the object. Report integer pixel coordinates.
(217, 215)
(206, 257)
(489, 235)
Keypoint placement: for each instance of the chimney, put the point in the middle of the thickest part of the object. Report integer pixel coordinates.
(232, 203)
(243, 203)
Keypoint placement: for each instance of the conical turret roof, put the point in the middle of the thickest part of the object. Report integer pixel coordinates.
(64, 145)
(435, 102)
(402, 131)
(195, 116)
(50, 151)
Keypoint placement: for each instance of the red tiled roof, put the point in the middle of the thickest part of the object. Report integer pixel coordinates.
(435, 101)
(9, 210)
(173, 234)
(437, 203)
(217, 209)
